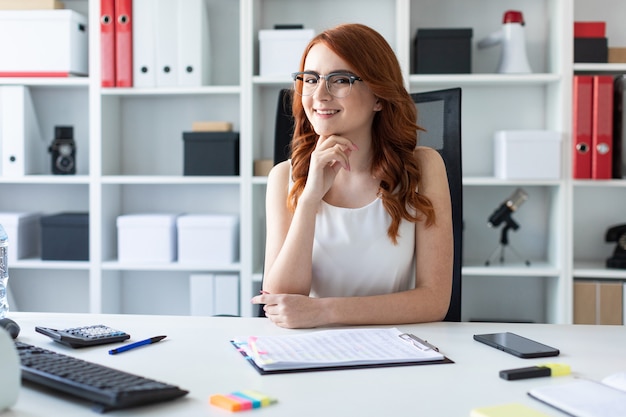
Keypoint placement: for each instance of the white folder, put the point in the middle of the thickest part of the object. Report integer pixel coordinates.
(201, 294)
(226, 294)
(23, 150)
(144, 43)
(166, 43)
(193, 43)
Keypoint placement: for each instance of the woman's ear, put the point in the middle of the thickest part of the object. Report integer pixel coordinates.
(378, 105)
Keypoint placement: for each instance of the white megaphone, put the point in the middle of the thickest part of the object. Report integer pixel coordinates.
(513, 58)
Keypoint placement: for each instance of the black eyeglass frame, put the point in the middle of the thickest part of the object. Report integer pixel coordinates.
(297, 76)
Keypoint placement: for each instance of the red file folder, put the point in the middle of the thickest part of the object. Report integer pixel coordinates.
(124, 43)
(602, 128)
(582, 123)
(107, 42)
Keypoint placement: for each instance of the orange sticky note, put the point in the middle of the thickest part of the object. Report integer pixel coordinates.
(225, 402)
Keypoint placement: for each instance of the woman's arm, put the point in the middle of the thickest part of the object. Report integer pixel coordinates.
(289, 238)
(428, 301)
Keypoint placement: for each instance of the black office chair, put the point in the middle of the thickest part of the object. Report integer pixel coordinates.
(439, 112)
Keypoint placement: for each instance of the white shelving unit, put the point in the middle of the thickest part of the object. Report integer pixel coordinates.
(130, 158)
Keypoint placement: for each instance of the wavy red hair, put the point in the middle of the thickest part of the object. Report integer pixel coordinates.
(394, 129)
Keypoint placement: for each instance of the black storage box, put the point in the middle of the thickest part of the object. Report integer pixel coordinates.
(595, 50)
(443, 51)
(65, 237)
(211, 153)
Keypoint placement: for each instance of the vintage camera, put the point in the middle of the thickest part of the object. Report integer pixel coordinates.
(63, 150)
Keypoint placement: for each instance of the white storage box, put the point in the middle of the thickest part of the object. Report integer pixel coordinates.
(281, 50)
(146, 238)
(43, 43)
(208, 238)
(527, 154)
(23, 230)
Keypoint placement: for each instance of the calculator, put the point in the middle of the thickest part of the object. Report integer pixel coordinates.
(78, 337)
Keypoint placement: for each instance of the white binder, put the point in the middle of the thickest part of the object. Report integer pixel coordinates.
(214, 294)
(193, 43)
(144, 43)
(226, 294)
(166, 42)
(201, 294)
(23, 150)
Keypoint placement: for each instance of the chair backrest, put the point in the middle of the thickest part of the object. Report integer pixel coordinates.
(439, 112)
(284, 127)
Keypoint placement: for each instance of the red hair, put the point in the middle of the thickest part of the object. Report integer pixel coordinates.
(394, 129)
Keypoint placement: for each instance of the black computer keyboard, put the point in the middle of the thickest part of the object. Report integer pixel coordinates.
(108, 388)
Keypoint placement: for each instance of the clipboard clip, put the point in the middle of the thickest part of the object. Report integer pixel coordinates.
(417, 342)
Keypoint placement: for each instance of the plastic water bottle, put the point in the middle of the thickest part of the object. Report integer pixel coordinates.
(4, 272)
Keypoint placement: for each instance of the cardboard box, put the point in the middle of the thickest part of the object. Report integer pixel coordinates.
(43, 43)
(146, 238)
(282, 49)
(443, 51)
(208, 238)
(65, 237)
(211, 153)
(24, 234)
(617, 55)
(527, 154)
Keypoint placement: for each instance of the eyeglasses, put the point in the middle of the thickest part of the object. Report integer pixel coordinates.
(338, 84)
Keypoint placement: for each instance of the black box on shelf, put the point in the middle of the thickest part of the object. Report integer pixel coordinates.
(443, 51)
(211, 153)
(594, 50)
(65, 237)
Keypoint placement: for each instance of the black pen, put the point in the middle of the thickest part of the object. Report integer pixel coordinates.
(136, 344)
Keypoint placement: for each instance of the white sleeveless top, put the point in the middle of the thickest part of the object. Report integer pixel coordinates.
(353, 256)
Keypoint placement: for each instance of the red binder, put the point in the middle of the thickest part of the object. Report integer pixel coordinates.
(602, 128)
(123, 43)
(107, 42)
(581, 129)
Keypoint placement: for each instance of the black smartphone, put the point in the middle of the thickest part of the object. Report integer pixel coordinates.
(517, 345)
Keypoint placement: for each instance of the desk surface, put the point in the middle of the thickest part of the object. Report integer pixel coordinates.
(198, 357)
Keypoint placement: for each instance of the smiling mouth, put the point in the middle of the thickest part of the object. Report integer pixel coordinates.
(326, 112)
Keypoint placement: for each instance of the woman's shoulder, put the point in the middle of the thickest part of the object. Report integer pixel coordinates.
(427, 157)
(280, 173)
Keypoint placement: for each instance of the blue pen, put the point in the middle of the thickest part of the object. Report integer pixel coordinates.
(136, 344)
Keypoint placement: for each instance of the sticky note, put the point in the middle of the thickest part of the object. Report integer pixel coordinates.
(241, 400)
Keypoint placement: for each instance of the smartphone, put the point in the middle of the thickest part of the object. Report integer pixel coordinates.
(517, 345)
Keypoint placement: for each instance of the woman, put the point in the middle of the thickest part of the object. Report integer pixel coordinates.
(359, 226)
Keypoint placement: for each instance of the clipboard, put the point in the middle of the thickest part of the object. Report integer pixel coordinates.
(394, 347)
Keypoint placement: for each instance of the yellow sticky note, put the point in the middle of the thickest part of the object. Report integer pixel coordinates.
(507, 410)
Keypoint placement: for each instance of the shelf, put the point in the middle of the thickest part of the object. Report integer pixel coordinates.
(492, 181)
(536, 269)
(121, 266)
(596, 269)
(47, 81)
(46, 179)
(171, 91)
(57, 265)
(617, 68)
(168, 180)
(469, 80)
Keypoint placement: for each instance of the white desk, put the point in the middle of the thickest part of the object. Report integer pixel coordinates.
(198, 357)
